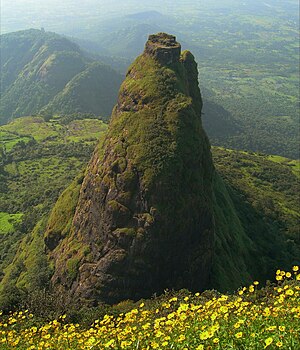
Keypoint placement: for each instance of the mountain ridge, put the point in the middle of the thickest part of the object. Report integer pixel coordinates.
(51, 65)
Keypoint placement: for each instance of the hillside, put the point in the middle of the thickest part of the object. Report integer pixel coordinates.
(249, 81)
(42, 70)
(38, 160)
(256, 207)
(93, 91)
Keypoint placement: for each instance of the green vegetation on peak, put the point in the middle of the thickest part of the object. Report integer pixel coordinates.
(255, 200)
(155, 162)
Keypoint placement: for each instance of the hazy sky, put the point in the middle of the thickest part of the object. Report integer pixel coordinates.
(65, 15)
(54, 14)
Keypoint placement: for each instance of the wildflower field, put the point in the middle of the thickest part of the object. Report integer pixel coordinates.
(252, 318)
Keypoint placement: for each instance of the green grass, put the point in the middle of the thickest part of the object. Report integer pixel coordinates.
(36, 128)
(292, 163)
(33, 126)
(87, 130)
(8, 221)
(9, 139)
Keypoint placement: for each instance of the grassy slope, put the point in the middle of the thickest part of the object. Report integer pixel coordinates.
(253, 318)
(257, 217)
(8, 222)
(269, 183)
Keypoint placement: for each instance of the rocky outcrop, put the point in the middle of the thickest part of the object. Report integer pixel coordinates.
(164, 48)
(144, 218)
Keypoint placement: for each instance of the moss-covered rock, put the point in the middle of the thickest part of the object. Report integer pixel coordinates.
(145, 205)
(60, 220)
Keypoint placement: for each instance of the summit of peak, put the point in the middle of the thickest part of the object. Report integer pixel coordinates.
(163, 47)
(163, 40)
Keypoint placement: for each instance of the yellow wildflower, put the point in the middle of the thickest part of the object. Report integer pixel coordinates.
(205, 335)
(181, 338)
(289, 292)
(268, 342)
(200, 347)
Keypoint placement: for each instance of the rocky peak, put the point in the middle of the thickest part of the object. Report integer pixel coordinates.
(144, 220)
(164, 48)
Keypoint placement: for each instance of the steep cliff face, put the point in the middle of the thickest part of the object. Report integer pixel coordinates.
(144, 218)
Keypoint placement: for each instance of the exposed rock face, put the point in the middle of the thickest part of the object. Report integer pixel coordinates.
(144, 221)
(164, 48)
